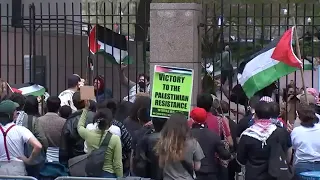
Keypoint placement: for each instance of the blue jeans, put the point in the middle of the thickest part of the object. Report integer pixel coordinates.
(106, 174)
(305, 167)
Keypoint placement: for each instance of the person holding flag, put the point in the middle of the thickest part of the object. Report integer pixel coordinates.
(143, 85)
(257, 75)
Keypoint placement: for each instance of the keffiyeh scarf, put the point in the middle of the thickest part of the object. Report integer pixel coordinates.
(260, 130)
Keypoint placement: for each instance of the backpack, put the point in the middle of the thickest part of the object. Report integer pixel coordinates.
(278, 166)
(96, 158)
(140, 161)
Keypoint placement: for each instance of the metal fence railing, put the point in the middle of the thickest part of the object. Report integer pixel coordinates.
(45, 43)
(17, 178)
(89, 178)
(82, 178)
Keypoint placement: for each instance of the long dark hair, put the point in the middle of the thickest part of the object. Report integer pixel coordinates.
(171, 145)
(104, 118)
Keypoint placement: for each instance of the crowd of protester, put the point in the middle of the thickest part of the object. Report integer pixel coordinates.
(274, 140)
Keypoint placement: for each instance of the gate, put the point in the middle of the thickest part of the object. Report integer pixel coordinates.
(234, 32)
(45, 43)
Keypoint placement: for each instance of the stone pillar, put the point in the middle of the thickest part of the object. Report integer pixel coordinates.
(175, 38)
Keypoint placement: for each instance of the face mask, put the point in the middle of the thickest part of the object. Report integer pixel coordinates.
(142, 84)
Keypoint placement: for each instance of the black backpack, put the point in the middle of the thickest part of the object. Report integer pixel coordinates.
(96, 158)
(140, 161)
(278, 167)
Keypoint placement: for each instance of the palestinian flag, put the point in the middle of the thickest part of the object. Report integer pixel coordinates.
(277, 59)
(112, 45)
(309, 65)
(28, 89)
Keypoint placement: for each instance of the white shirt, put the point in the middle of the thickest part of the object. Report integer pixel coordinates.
(66, 99)
(16, 138)
(306, 143)
(133, 91)
(92, 127)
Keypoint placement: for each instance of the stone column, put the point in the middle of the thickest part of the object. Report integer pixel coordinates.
(175, 38)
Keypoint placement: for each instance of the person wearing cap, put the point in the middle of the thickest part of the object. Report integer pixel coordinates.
(310, 98)
(12, 141)
(210, 144)
(74, 83)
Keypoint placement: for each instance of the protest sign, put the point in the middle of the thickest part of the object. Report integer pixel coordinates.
(171, 91)
(87, 93)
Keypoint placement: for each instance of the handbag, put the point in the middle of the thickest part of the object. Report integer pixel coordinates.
(41, 158)
(224, 163)
(77, 165)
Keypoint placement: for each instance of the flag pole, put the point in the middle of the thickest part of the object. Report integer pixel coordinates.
(299, 56)
(10, 87)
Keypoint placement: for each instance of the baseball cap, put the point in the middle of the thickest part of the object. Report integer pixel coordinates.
(199, 115)
(8, 106)
(310, 97)
(73, 80)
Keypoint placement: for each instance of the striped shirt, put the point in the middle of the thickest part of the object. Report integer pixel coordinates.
(126, 139)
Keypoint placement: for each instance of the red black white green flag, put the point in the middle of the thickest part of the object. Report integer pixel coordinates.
(277, 59)
(113, 46)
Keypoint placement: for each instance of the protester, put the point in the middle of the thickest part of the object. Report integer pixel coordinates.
(205, 101)
(101, 92)
(179, 154)
(143, 116)
(274, 114)
(143, 85)
(66, 95)
(12, 159)
(123, 110)
(210, 144)
(305, 141)
(51, 124)
(254, 148)
(31, 108)
(95, 126)
(112, 167)
(65, 111)
(233, 167)
(21, 100)
(125, 135)
(312, 100)
(244, 123)
(132, 122)
(72, 144)
(291, 100)
(149, 141)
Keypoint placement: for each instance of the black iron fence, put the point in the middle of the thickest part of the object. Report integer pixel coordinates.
(44, 43)
(234, 32)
